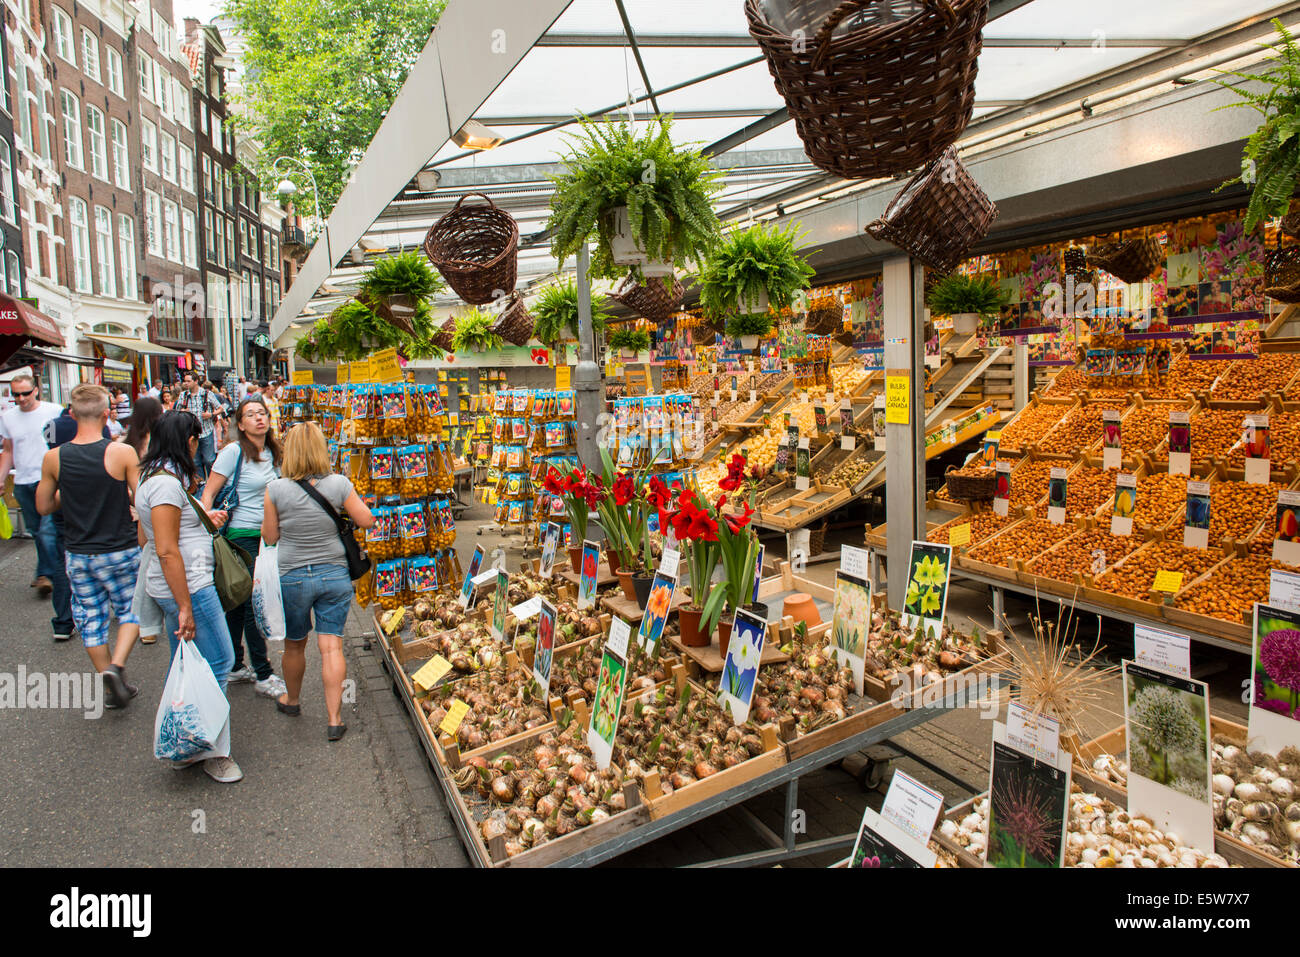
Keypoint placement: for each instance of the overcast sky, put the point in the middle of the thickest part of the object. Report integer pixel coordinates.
(203, 10)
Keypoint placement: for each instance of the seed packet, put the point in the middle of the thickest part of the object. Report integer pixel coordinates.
(520, 403)
(388, 579)
(393, 401)
(381, 463)
(413, 522)
(515, 457)
(519, 429)
(422, 575)
(565, 404)
(517, 511)
(555, 435)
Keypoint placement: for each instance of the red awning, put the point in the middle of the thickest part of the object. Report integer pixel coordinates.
(17, 318)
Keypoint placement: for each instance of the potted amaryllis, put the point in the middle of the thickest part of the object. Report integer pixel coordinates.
(622, 518)
(580, 492)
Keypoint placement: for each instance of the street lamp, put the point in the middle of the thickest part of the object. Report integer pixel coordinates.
(286, 187)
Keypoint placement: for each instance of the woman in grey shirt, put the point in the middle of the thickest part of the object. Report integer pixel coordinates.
(313, 566)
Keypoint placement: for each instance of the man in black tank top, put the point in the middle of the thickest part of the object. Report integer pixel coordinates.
(91, 482)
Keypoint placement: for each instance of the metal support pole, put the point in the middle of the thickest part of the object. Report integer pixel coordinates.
(905, 442)
(791, 805)
(586, 377)
(1020, 373)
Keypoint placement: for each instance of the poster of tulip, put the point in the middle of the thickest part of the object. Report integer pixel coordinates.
(850, 622)
(740, 671)
(1275, 704)
(927, 586)
(1166, 724)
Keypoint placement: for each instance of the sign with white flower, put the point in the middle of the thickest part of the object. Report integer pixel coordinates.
(850, 624)
(740, 671)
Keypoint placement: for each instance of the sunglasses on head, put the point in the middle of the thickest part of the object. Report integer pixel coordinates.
(23, 395)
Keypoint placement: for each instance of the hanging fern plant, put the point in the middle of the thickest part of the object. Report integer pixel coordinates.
(1270, 161)
(556, 312)
(406, 274)
(353, 331)
(474, 333)
(629, 339)
(749, 262)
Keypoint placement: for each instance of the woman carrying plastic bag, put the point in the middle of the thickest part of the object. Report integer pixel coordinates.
(268, 605)
(193, 720)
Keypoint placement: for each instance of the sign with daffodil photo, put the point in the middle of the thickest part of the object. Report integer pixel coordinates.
(927, 585)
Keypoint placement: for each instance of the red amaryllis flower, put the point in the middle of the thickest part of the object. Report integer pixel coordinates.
(624, 489)
(737, 522)
(657, 494)
(554, 482)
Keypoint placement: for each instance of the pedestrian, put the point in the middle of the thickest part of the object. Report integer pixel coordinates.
(123, 404)
(114, 426)
(144, 416)
(23, 446)
(165, 397)
(243, 470)
(180, 578)
(272, 405)
(90, 481)
(194, 399)
(314, 580)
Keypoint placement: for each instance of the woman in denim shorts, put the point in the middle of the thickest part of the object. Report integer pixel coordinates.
(313, 567)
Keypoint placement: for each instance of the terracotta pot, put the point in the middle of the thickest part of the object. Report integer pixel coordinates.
(611, 557)
(642, 588)
(724, 637)
(688, 620)
(801, 607)
(625, 581)
(575, 560)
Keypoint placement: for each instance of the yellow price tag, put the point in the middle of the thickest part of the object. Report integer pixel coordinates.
(361, 371)
(993, 436)
(303, 377)
(431, 672)
(384, 366)
(563, 378)
(341, 373)
(898, 397)
(396, 621)
(455, 715)
(960, 535)
(1168, 581)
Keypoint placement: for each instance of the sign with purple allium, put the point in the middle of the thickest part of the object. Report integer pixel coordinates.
(1275, 679)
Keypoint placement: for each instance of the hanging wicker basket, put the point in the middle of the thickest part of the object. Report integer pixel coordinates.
(1129, 260)
(879, 87)
(1282, 274)
(1291, 224)
(844, 337)
(397, 311)
(514, 324)
(443, 337)
(476, 248)
(939, 214)
(649, 299)
(971, 486)
(824, 320)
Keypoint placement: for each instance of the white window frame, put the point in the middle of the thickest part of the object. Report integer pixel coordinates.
(121, 154)
(79, 233)
(97, 143)
(189, 238)
(171, 231)
(104, 250)
(64, 44)
(181, 103)
(185, 162)
(90, 55)
(15, 273)
(7, 207)
(149, 145)
(146, 69)
(153, 223)
(163, 90)
(168, 155)
(113, 67)
(71, 107)
(126, 253)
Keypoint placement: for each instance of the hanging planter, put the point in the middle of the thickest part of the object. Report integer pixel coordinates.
(1282, 274)
(1129, 260)
(394, 286)
(473, 333)
(874, 88)
(649, 299)
(513, 323)
(476, 248)
(555, 313)
(648, 202)
(938, 215)
(752, 271)
(749, 328)
(966, 299)
(629, 341)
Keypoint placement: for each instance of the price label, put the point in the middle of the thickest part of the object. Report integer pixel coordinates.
(619, 633)
(669, 561)
(960, 535)
(384, 366)
(526, 609)
(396, 621)
(854, 561)
(455, 715)
(1168, 581)
(1037, 735)
(303, 377)
(431, 672)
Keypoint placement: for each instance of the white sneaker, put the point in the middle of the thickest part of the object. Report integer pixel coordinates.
(243, 674)
(272, 686)
(224, 770)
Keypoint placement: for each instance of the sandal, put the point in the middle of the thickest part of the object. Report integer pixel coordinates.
(335, 731)
(293, 710)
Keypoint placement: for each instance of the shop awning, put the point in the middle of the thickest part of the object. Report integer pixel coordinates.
(142, 346)
(18, 318)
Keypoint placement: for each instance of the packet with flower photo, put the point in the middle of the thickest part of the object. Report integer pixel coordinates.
(850, 624)
(657, 607)
(550, 541)
(740, 671)
(587, 575)
(927, 585)
(1275, 674)
(610, 688)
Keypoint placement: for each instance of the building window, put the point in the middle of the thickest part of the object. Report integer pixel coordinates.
(209, 235)
(207, 178)
(63, 36)
(113, 64)
(221, 240)
(275, 252)
(181, 103)
(149, 145)
(95, 137)
(203, 119)
(230, 241)
(153, 222)
(80, 243)
(187, 169)
(230, 191)
(90, 54)
(146, 77)
(121, 158)
(72, 130)
(163, 83)
(266, 245)
(189, 240)
(7, 184)
(24, 108)
(168, 158)
(126, 253)
(15, 273)
(47, 129)
(171, 231)
(104, 250)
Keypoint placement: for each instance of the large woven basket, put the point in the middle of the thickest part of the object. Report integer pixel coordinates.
(824, 320)
(879, 87)
(1130, 260)
(1291, 224)
(939, 214)
(514, 324)
(971, 488)
(649, 299)
(443, 337)
(476, 248)
(1282, 274)
(399, 318)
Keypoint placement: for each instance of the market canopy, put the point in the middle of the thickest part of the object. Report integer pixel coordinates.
(18, 318)
(142, 346)
(527, 70)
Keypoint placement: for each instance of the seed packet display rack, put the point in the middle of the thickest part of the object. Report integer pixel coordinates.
(391, 440)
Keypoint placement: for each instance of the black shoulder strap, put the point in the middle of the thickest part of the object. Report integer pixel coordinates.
(310, 489)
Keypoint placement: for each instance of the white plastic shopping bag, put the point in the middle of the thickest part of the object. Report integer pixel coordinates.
(268, 605)
(193, 719)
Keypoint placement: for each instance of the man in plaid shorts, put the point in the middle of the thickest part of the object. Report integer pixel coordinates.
(90, 481)
(207, 408)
